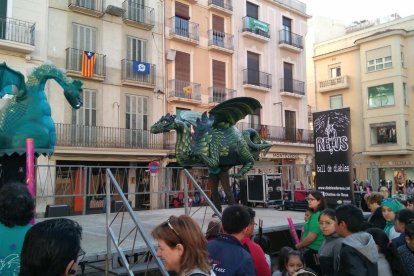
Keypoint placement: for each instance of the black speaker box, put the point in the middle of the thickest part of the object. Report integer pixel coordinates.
(57, 211)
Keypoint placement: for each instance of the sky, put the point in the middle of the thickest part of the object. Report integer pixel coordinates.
(357, 10)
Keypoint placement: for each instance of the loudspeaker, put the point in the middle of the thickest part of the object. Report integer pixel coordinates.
(57, 211)
(170, 55)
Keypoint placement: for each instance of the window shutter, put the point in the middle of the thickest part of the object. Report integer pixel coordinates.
(182, 66)
(252, 10)
(182, 10)
(219, 74)
(218, 23)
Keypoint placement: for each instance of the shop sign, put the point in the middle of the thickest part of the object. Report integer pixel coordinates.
(279, 155)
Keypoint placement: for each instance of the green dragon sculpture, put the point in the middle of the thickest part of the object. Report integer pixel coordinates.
(216, 142)
(28, 114)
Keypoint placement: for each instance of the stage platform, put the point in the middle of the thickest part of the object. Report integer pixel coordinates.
(94, 233)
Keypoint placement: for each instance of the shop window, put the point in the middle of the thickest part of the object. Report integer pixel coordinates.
(383, 133)
(381, 95)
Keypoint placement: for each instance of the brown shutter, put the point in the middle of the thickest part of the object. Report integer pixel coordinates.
(182, 10)
(218, 23)
(219, 74)
(182, 66)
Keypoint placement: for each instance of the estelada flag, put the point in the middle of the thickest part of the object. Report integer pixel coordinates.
(88, 62)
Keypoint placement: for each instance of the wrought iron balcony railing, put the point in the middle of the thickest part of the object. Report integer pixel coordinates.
(280, 134)
(256, 26)
(74, 62)
(185, 28)
(292, 86)
(138, 13)
(219, 94)
(287, 37)
(220, 39)
(17, 30)
(130, 73)
(257, 78)
(225, 4)
(69, 135)
(184, 89)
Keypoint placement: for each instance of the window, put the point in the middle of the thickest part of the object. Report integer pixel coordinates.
(83, 131)
(219, 81)
(405, 93)
(254, 119)
(136, 121)
(335, 102)
(290, 125)
(218, 30)
(407, 133)
(136, 10)
(287, 29)
(252, 10)
(136, 49)
(381, 95)
(3, 15)
(402, 57)
(378, 59)
(253, 65)
(182, 15)
(383, 133)
(84, 37)
(335, 72)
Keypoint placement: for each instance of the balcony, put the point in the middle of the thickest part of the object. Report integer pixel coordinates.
(292, 88)
(256, 29)
(333, 84)
(257, 80)
(220, 94)
(180, 90)
(222, 6)
(290, 41)
(89, 7)
(17, 35)
(74, 64)
(221, 42)
(131, 76)
(184, 30)
(68, 135)
(138, 16)
(280, 134)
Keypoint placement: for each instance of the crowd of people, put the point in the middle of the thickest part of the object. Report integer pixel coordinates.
(334, 241)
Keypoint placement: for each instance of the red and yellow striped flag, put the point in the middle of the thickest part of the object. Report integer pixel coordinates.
(88, 62)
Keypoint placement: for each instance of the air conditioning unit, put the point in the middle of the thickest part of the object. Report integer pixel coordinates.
(170, 55)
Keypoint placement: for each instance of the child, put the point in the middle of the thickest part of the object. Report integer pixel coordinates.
(407, 251)
(281, 260)
(390, 206)
(402, 218)
(389, 262)
(332, 245)
(294, 261)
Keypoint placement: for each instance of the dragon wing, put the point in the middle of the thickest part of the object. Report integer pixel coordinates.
(233, 110)
(189, 117)
(11, 81)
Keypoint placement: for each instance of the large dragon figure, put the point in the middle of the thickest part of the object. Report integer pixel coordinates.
(216, 142)
(28, 114)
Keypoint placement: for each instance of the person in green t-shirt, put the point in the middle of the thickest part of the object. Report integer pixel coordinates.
(16, 211)
(312, 237)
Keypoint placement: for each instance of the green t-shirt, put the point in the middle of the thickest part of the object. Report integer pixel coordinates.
(312, 225)
(11, 243)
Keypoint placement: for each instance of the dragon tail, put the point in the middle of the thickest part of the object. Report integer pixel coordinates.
(252, 137)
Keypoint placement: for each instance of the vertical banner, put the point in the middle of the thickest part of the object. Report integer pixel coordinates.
(30, 170)
(333, 155)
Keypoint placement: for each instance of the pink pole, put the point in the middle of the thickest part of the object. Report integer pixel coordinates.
(30, 170)
(293, 230)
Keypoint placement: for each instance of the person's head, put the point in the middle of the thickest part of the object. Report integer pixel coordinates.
(250, 228)
(327, 222)
(374, 201)
(410, 203)
(281, 258)
(294, 261)
(402, 218)
(181, 244)
(16, 205)
(409, 235)
(52, 247)
(308, 213)
(213, 229)
(390, 206)
(305, 272)
(235, 220)
(384, 192)
(349, 219)
(316, 201)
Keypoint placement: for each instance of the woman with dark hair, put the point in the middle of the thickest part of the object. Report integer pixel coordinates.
(389, 262)
(402, 218)
(16, 211)
(407, 251)
(312, 235)
(182, 246)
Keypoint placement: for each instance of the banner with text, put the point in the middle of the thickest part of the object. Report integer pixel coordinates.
(333, 155)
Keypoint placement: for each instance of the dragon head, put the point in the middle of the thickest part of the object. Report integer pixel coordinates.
(164, 124)
(73, 94)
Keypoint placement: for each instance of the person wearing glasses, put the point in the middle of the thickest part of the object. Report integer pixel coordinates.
(52, 248)
(332, 244)
(182, 246)
(16, 211)
(312, 236)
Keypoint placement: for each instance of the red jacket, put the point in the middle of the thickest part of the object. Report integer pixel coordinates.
(258, 256)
